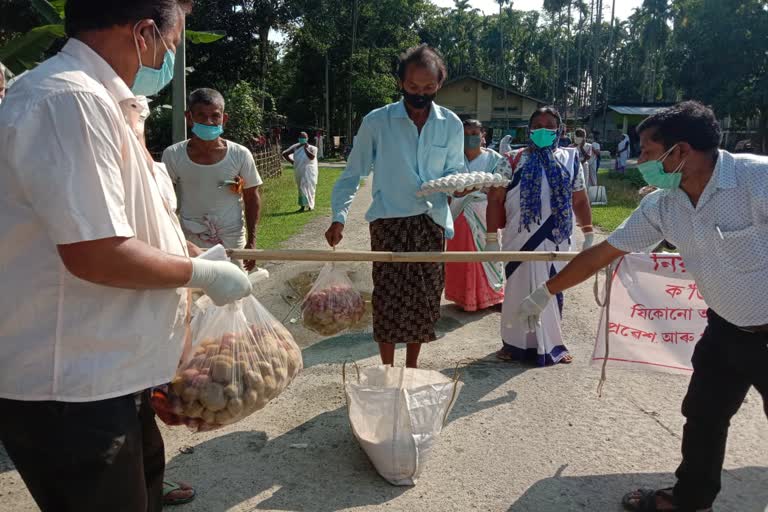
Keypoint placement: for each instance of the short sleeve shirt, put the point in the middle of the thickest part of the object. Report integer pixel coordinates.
(723, 239)
(72, 170)
(203, 190)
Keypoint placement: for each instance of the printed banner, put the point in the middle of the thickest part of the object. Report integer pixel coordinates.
(657, 315)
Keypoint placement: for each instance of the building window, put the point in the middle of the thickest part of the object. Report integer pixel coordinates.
(504, 109)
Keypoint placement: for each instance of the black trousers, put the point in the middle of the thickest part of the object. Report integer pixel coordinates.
(83, 457)
(727, 362)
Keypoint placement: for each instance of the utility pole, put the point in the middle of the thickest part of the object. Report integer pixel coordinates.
(608, 81)
(567, 63)
(578, 61)
(179, 91)
(503, 65)
(355, 15)
(595, 61)
(327, 137)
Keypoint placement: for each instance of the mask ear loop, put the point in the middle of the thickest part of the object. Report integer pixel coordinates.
(136, 43)
(157, 30)
(667, 153)
(680, 167)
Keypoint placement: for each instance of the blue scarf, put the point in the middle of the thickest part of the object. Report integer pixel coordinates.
(543, 162)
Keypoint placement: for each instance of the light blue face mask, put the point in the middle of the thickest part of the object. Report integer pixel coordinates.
(543, 137)
(207, 132)
(654, 174)
(150, 81)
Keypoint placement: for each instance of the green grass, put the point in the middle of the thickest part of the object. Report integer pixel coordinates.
(280, 219)
(623, 198)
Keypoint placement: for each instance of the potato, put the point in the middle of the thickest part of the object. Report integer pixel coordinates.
(201, 381)
(281, 376)
(265, 369)
(212, 351)
(189, 374)
(225, 417)
(261, 403)
(277, 363)
(221, 369)
(208, 416)
(194, 409)
(294, 364)
(254, 381)
(190, 393)
(241, 368)
(250, 398)
(235, 406)
(178, 385)
(212, 397)
(270, 387)
(232, 391)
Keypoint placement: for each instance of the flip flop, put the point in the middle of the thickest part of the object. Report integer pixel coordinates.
(646, 500)
(170, 487)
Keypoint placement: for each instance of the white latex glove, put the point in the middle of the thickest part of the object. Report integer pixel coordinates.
(492, 242)
(589, 239)
(222, 281)
(533, 305)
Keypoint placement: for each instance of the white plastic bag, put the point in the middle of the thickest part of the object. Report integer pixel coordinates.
(332, 305)
(397, 414)
(241, 358)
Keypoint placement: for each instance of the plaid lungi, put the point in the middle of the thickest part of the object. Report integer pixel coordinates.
(406, 296)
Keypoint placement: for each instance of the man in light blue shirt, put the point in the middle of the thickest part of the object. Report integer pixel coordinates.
(714, 207)
(405, 144)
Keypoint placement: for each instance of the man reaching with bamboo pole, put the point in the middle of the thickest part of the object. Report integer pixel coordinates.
(714, 207)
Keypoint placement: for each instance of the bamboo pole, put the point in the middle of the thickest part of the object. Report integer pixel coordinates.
(397, 257)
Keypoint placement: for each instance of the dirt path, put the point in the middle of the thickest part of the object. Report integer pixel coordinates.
(520, 439)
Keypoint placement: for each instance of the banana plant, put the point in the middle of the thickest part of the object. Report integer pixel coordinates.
(25, 52)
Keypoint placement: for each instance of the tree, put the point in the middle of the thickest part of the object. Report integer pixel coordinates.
(20, 52)
(723, 59)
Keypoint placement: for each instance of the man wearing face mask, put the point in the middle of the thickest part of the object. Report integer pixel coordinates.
(303, 156)
(216, 179)
(714, 207)
(97, 262)
(536, 213)
(586, 155)
(405, 144)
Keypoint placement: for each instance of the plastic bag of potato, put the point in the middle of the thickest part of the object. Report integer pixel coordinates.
(332, 305)
(241, 358)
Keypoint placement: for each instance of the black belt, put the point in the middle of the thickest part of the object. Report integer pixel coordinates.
(757, 329)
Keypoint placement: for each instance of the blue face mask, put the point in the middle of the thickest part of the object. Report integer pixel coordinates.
(150, 81)
(472, 141)
(207, 132)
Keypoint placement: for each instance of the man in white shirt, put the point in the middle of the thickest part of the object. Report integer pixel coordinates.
(95, 264)
(714, 207)
(216, 179)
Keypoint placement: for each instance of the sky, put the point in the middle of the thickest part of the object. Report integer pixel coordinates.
(623, 7)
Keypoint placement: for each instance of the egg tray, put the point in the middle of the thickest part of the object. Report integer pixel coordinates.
(459, 183)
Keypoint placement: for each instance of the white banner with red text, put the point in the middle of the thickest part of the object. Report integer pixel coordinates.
(656, 315)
